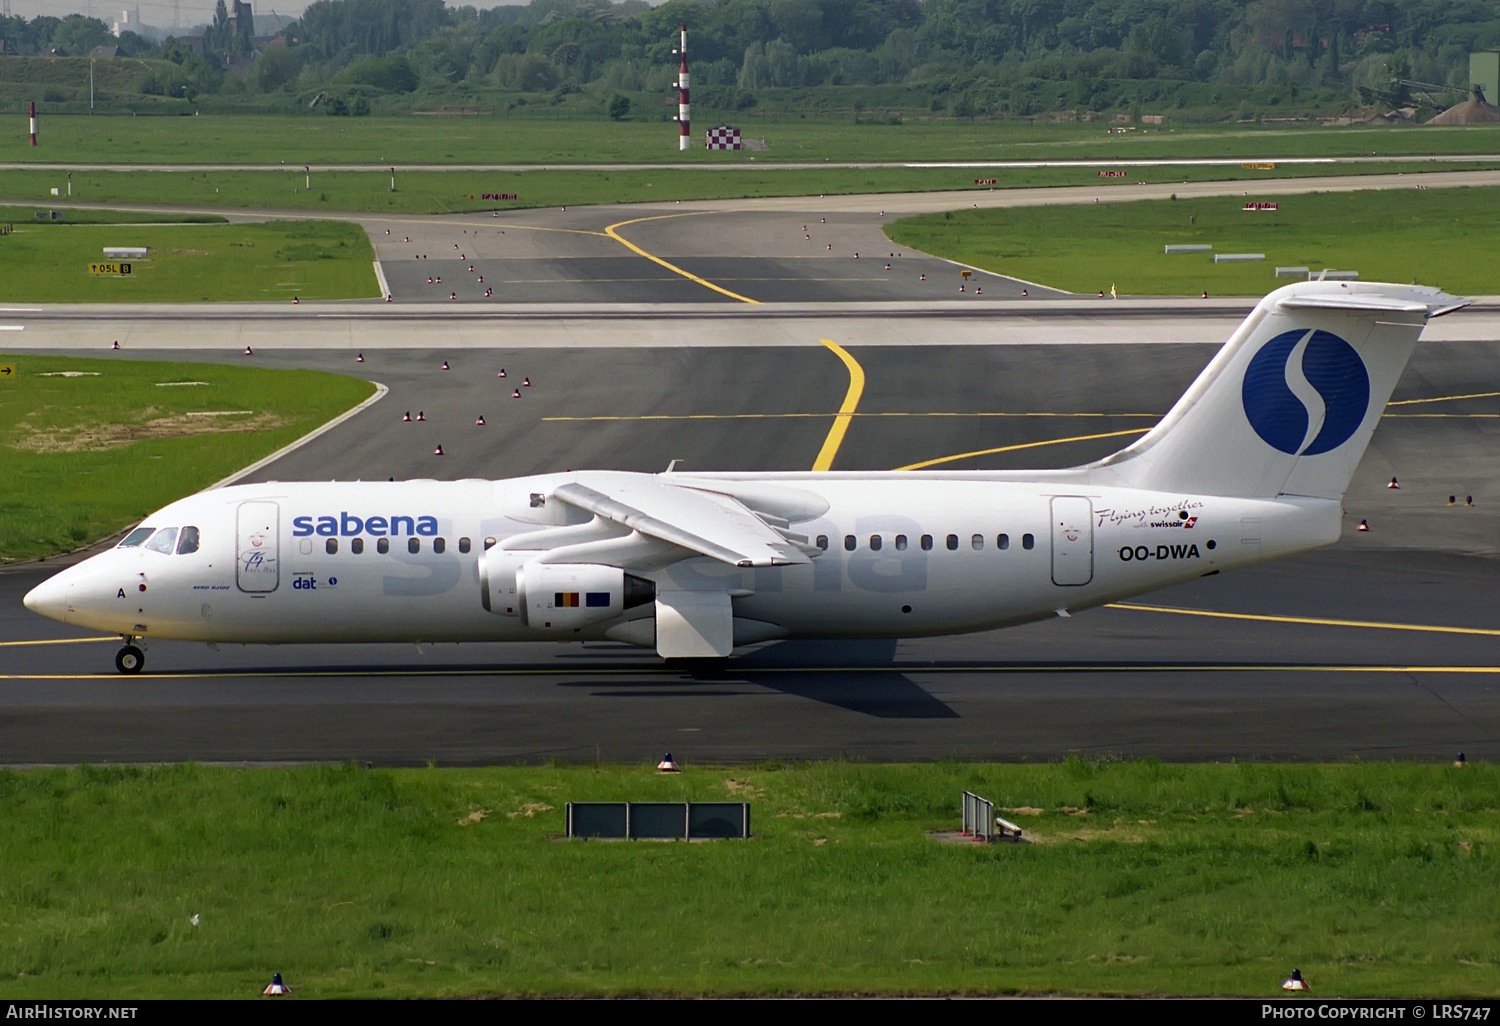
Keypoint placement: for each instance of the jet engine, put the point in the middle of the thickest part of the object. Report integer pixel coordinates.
(559, 596)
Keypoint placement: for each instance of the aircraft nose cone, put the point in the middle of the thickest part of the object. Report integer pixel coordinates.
(50, 599)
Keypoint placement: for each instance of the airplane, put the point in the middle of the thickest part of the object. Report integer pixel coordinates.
(1251, 464)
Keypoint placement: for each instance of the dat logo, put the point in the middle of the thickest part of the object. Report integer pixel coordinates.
(1306, 392)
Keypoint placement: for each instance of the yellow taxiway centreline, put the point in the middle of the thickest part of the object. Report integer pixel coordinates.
(690, 276)
(794, 416)
(59, 641)
(732, 677)
(856, 372)
(846, 411)
(1024, 445)
(1313, 621)
(1445, 398)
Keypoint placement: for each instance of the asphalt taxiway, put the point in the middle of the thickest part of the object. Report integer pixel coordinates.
(1386, 645)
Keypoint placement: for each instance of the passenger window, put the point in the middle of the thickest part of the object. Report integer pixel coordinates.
(1002, 541)
(977, 542)
(1028, 542)
(357, 546)
(849, 543)
(900, 543)
(952, 542)
(382, 545)
(874, 543)
(164, 540)
(439, 545)
(463, 545)
(823, 542)
(414, 545)
(489, 543)
(187, 541)
(331, 546)
(137, 536)
(926, 543)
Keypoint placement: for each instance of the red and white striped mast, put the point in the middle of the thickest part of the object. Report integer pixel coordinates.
(33, 122)
(682, 96)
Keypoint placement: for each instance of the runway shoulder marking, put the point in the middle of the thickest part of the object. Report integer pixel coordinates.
(1311, 621)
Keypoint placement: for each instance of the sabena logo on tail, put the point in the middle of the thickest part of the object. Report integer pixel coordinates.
(1289, 404)
(1306, 392)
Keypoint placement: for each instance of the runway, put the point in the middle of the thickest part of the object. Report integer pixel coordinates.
(1386, 645)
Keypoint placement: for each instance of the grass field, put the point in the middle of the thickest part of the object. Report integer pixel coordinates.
(444, 192)
(84, 456)
(1442, 237)
(48, 262)
(1375, 879)
(256, 139)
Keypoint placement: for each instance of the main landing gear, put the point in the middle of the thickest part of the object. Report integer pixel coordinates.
(129, 659)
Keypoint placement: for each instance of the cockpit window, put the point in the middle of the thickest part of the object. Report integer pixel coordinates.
(188, 541)
(137, 536)
(164, 540)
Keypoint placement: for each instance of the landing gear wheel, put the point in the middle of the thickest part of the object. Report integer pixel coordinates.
(130, 659)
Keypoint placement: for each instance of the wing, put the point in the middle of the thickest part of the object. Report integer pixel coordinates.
(708, 523)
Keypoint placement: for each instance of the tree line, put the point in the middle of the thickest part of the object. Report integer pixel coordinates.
(954, 57)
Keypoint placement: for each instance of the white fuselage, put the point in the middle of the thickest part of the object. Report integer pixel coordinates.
(906, 555)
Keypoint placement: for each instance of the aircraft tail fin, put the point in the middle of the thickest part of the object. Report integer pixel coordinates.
(1288, 406)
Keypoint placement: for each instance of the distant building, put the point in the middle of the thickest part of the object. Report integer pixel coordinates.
(129, 21)
(104, 52)
(242, 16)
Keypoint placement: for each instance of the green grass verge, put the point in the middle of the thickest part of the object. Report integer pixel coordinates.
(1442, 237)
(1375, 880)
(84, 456)
(257, 139)
(444, 192)
(48, 261)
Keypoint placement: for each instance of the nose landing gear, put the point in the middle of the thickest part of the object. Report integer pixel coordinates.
(129, 659)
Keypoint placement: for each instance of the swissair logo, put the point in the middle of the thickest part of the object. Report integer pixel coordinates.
(1185, 523)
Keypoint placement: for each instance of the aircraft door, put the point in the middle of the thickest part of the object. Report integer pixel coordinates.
(257, 539)
(1072, 540)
